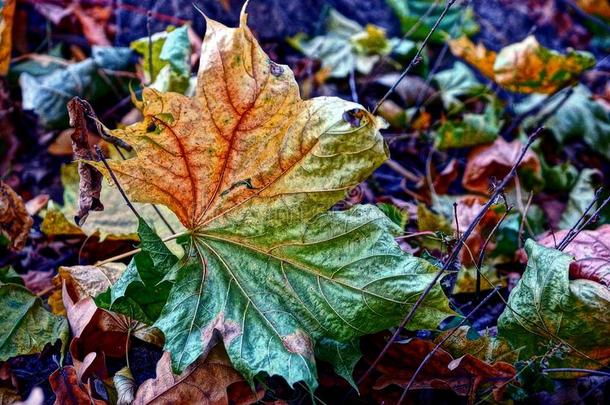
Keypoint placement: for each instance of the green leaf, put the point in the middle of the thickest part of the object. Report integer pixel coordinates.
(459, 20)
(580, 197)
(456, 82)
(474, 129)
(25, 326)
(171, 52)
(141, 291)
(580, 117)
(343, 277)
(396, 215)
(8, 275)
(343, 357)
(547, 311)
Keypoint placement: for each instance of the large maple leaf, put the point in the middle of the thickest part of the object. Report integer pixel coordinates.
(251, 169)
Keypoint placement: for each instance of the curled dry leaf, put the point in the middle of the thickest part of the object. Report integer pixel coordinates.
(591, 251)
(205, 381)
(125, 386)
(251, 170)
(464, 375)
(489, 162)
(69, 390)
(547, 312)
(526, 66)
(7, 11)
(15, 223)
(90, 185)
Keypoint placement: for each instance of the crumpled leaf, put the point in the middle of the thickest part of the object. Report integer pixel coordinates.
(205, 381)
(48, 94)
(26, 327)
(7, 11)
(251, 169)
(591, 252)
(464, 375)
(459, 19)
(171, 51)
(125, 386)
(547, 310)
(494, 161)
(474, 129)
(580, 197)
(528, 67)
(90, 184)
(347, 46)
(115, 222)
(69, 390)
(476, 55)
(580, 117)
(15, 223)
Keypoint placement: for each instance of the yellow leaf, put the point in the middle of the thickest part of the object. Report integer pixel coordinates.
(477, 55)
(6, 27)
(246, 145)
(528, 67)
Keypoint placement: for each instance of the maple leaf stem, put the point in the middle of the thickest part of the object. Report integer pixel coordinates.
(136, 251)
(398, 168)
(454, 254)
(441, 342)
(417, 58)
(100, 155)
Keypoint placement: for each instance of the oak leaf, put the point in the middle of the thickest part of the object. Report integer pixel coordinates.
(251, 169)
(15, 222)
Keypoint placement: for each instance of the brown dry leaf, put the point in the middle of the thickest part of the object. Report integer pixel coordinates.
(15, 223)
(486, 348)
(528, 67)
(204, 382)
(477, 55)
(468, 207)
(464, 375)
(7, 9)
(90, 185)
(93, 22)
(591, 250)
(36, 204)
(38, 281)
(69, 390)
(7, 128)
(597, 7)
(489, 162)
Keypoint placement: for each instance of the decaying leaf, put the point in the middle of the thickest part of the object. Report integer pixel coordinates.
(486, 348)
(474, 129)
(489, 162)
(477, 55)
(581, 195)
(7, 11)
(90, 184)
(125, 386)
(251, 169)
(528, 67)
(591, 251)
(205, 381)
(27, 327)
(15, 223)
(597, 7)
(464, 375)
(69, 390)
(547, 312)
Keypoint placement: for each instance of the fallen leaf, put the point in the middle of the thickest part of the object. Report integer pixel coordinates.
(37, 281)
(476, 55)
(36, 204)
(15, 223)
(468, 207)
(7, 10)
(205, 381)
(474, 129)
(596, 7)
(89, 281)
(547, 311)
(486, 348)
(467, 279)
(93, 22)
(464, 375)
(27, 327)
(125, 386)
(591, 251)
(69, 390)
(528, 67)
(454, 83)
(494, 161)
(581, 195)
(251, 170)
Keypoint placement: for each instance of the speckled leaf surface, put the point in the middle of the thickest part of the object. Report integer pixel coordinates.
(251, 169)
(550, 311)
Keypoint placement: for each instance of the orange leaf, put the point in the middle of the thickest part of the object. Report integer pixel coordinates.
(15, 223)
(477, 55)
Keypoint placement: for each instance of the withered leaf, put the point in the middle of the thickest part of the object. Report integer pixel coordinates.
(15, 223)
(69, 390)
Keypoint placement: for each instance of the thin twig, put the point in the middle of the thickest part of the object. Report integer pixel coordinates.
(417, 58)
(150, 46)
(454, 254)
(587, 222)
(457, 223)
(482, 252)
(100, 155)
(574, 228)
(398, 168)
(576, 370)
(441, 342)
(524, 219)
